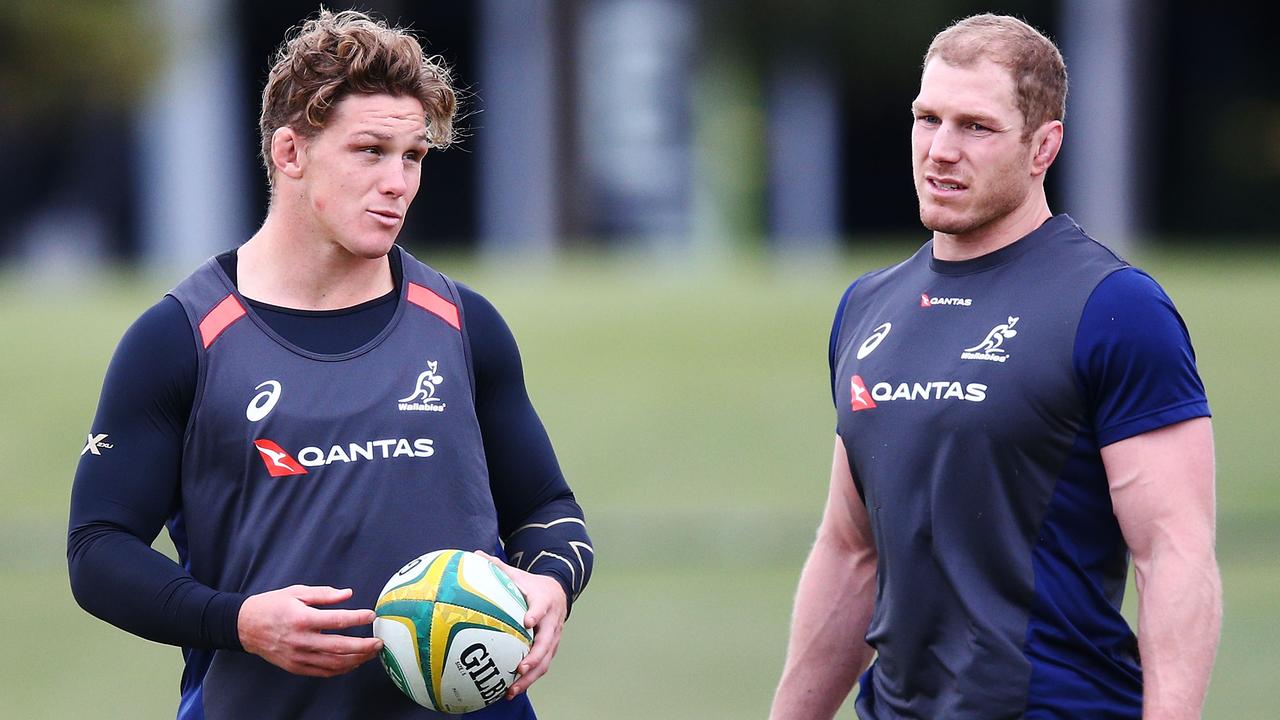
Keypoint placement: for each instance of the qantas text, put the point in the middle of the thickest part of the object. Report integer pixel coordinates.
(863, 398)
(937, 390)
(374, 449)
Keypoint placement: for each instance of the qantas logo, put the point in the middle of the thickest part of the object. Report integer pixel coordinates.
(280, 463)
(926, 301)
(862, 397)
(859, 396)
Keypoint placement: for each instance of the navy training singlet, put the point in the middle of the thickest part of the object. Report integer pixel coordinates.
(324, 470)
(975, 447)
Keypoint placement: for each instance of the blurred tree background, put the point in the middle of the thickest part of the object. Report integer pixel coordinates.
(670, 123)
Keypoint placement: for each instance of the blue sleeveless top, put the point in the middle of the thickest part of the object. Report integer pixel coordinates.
(324, 470)
(973, 399)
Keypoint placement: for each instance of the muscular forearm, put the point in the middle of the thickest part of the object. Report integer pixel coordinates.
(1162, 489)
(826, 652)
(1179, 618)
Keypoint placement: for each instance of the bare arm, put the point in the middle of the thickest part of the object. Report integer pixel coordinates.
(1162, 489)
(833, 606)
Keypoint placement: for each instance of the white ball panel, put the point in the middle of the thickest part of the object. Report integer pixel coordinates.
(478, 573)
(478, 669)
(397, 638)
(410, 571)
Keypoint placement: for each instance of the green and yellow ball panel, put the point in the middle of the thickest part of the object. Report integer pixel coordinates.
(452, 629)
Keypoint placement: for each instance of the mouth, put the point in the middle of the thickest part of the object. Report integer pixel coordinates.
(389, 218)
(944, 185)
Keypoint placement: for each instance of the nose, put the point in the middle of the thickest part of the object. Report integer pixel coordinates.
(394, 182)
(945, 145)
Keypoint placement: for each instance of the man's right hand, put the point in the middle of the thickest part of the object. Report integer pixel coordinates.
(284, 628)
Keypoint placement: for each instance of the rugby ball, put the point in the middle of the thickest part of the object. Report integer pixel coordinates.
(451, 624)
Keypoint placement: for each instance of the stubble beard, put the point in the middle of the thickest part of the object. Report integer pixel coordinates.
(1006, 195)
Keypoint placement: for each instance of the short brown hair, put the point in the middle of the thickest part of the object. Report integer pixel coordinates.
(1039, 74)
(334, 55)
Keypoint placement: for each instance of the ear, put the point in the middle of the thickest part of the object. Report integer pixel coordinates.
(1046, 141)
(287, 155)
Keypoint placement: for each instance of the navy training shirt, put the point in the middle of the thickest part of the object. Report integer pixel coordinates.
(115, 512)
(973, 398)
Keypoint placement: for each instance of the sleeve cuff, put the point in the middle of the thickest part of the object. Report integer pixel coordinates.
(565, 584)
(223, 613)
(1152, 421)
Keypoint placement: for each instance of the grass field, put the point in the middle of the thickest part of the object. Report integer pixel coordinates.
(691, 413)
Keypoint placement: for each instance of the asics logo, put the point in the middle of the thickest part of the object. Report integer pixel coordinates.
(873, 341)
(263, 402)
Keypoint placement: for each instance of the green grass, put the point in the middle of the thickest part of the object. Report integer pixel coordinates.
(691, 413)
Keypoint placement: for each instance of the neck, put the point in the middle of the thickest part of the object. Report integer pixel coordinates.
(1004, 230)
(282, 265)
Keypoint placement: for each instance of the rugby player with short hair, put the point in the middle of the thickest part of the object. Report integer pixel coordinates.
(1018, 410)
(312, 410)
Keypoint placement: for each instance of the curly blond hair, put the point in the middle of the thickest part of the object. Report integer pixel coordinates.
(334, 55)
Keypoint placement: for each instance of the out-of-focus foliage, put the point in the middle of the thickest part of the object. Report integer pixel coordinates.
(866, 41)
(58, 57)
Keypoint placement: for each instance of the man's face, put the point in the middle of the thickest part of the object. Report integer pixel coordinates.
(361, 171)
(970, 164)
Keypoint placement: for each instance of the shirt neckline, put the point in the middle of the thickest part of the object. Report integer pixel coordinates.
(251, 311)
(229, 261)
(1048, 229)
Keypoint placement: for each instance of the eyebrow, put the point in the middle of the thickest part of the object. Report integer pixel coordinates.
(988, 120)
(384, 137)
(985, 120)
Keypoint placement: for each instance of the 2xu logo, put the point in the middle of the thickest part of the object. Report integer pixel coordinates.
(95, 443)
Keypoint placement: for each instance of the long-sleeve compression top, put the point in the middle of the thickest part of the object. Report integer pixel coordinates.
(122, 499)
